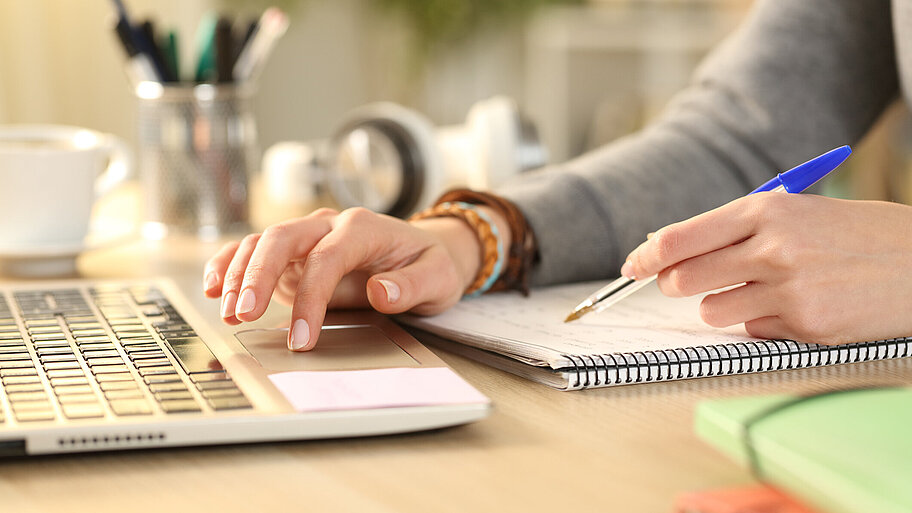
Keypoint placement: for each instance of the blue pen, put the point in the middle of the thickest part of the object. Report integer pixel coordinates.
(794, 181)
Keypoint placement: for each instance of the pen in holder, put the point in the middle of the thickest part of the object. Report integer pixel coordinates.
(197, 144)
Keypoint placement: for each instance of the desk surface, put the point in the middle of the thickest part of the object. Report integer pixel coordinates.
(626, 449)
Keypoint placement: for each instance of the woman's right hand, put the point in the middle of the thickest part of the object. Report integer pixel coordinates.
(349, 259)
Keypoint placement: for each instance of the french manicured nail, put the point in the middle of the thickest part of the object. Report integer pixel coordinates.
(392, 290)
(299, 336)
(228, 303)
(211, 281)
(627, 270)
(247, 301)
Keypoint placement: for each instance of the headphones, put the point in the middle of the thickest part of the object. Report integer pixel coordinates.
(393, 160)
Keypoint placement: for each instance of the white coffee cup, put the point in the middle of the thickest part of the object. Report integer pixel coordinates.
(50, 177)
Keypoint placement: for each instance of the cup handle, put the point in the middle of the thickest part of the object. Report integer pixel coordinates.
(120, 165)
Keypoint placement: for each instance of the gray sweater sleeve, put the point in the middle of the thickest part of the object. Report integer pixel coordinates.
(799, 77)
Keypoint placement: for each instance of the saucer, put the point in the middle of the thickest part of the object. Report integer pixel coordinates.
(53, 260)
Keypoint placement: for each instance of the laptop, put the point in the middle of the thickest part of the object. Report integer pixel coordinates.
(89, 365)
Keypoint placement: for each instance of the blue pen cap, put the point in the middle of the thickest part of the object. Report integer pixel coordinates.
(802, 176)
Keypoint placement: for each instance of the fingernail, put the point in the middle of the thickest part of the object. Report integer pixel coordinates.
(299, 335)
(392, 290)
(627, 270)
(247, 302)
(211, 281)
(649, 235)
(228, 303)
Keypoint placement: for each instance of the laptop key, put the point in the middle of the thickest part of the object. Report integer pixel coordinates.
(163, 378)
(18, 380)
(127, 407)
(65, 373)
(228, 403)
(179, 405)
(72, 389)
(174, 394)
(82, 380)
(212, 385)
(25, 371)
(51, 344)
(194, 355)
(15, 364)
(109, 369)
(83, 410)
(51, 366)
(77, 398)
(33, 416)
(157, 371)
(100, 354)
(133, 393)
(19, 355)
(115, 376)
(23, 387)
(212, 376)
(46, 351)
(47, 358)
(136, 356)
(32, 406)
(117, 385)
(15, 397)
(93, 362)
(167, 387)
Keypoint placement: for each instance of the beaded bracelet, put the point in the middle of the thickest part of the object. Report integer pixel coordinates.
(492, 251)
(523, 252)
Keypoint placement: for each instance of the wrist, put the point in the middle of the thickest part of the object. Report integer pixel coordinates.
(462, 242)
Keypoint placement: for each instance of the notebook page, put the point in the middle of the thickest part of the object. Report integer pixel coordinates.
(533, 329)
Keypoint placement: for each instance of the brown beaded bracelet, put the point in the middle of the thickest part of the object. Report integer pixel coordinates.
(523, 250)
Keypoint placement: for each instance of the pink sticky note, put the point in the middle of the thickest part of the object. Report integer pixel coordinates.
(374, 388)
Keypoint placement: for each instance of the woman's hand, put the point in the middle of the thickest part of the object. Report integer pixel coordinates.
(804, 267)
(354, 258)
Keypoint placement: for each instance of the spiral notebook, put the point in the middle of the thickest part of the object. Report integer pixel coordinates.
(645, 338)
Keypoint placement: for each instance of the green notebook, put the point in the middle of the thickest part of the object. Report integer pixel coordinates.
(843, 452)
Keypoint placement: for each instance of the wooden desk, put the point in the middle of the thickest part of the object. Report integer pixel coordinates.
(628, 449)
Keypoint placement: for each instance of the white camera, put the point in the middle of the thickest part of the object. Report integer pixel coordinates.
(393, 160)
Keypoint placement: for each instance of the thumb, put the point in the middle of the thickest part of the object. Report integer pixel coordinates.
(426, 286)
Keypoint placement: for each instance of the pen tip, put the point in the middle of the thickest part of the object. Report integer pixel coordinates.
(576, 314)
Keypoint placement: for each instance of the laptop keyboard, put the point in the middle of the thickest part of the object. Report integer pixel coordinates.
(104, 351)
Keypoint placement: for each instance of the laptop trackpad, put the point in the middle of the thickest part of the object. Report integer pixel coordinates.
(339, 348)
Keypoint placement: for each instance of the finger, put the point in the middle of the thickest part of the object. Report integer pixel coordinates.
(233, 277)
(723, 226)
(428, 285)
(337, 254)
(724, 267)
(740, 304)
(288, 283)
(769, 328)
(278, 245)
(214, 270)
(349, 292)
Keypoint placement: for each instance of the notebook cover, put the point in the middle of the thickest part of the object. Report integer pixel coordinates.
(845, 452)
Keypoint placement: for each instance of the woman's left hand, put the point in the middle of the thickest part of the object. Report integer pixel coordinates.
(802, 267)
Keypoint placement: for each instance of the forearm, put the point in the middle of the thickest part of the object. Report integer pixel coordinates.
(800, 77)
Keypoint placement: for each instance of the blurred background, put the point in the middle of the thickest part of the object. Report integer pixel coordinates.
(585, 72)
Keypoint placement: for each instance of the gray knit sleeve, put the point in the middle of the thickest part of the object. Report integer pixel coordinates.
(799, 77)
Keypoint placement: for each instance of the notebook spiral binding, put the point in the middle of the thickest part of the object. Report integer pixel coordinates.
(719, 360)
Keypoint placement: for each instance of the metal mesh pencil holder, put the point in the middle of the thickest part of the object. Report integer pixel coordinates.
(197, 146)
